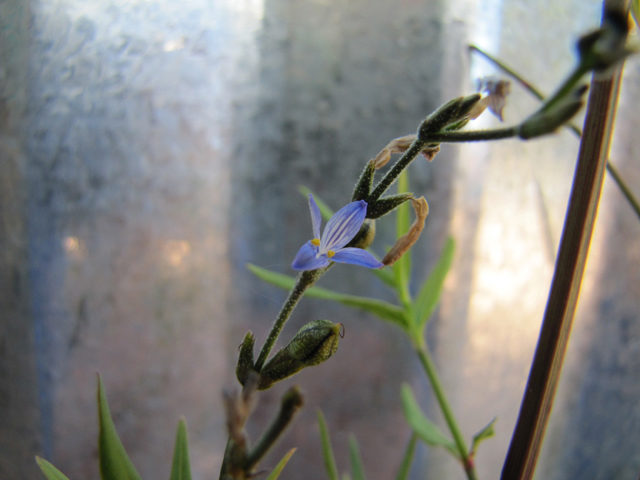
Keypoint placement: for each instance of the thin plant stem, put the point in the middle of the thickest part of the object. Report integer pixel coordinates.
(626, 191)
(392, 175)
(473, 135)
(566, 88)
(305, 280)
(445, 407)
(291, 402)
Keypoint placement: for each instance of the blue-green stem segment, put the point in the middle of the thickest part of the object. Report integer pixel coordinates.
(305, 280)
(445, 407)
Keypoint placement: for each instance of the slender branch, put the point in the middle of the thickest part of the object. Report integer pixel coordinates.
(305, 280)
(291, 402)
(438, 390)
(566, 88)
(626, 191)
(473, 135)
(403, 162)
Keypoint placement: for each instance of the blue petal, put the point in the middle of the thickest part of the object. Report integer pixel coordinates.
(343, 226)
(316, 218)
(357, 256)
(306, 258)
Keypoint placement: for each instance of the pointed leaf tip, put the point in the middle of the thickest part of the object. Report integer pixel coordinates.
(486, 432)
(428, 431)
(180, 468)
(51, 472)
(275, 473)
(114, 461)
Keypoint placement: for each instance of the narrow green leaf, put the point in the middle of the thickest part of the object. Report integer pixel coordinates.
(51, 472)
(180, 470)
(380, 308)
(402, 268)
(431, 289)
(635, 11)
(327, 449)
(428, 431)
(407, 459)
(486, 432)
(357, 468)
(275, 473)
(114, 461)
(346, 476)
(325, 210)
(386, 275)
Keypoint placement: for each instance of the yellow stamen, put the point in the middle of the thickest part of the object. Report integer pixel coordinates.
(315, 242)
(330, 253)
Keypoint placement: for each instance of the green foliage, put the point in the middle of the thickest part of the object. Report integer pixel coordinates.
(327, 449)
(180, 469)
(486, 432)
(402, 268)
(275, 473)
(407, 458)
(51, 472)
(431, 289)
(357, 468)
(382, 309)
(114, 461)
(428, 431)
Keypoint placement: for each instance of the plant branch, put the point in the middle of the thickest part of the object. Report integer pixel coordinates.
(305, 280)
(626, 191)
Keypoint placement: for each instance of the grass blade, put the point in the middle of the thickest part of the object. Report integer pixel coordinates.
(357, 467)
(327, 449)
(180, 469)
(275, 473)
(114, 461)
(429, 295)
(407, 459)
(51, 472)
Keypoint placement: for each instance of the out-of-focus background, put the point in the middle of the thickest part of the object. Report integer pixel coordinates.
(150, 149)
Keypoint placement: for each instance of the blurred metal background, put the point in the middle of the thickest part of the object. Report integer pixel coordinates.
(150, 149)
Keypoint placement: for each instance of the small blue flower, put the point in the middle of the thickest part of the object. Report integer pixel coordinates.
(340, 230)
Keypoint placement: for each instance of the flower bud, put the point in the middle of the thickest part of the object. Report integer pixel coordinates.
(547, 121)
(363, 186)
(365, 236)
(385, 205)
(245, 359)
(312, 345)
(450, 112)
(606, 47)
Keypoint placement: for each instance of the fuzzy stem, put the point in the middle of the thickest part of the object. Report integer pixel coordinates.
(472, 136)
(305, 280)
(392, 175)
